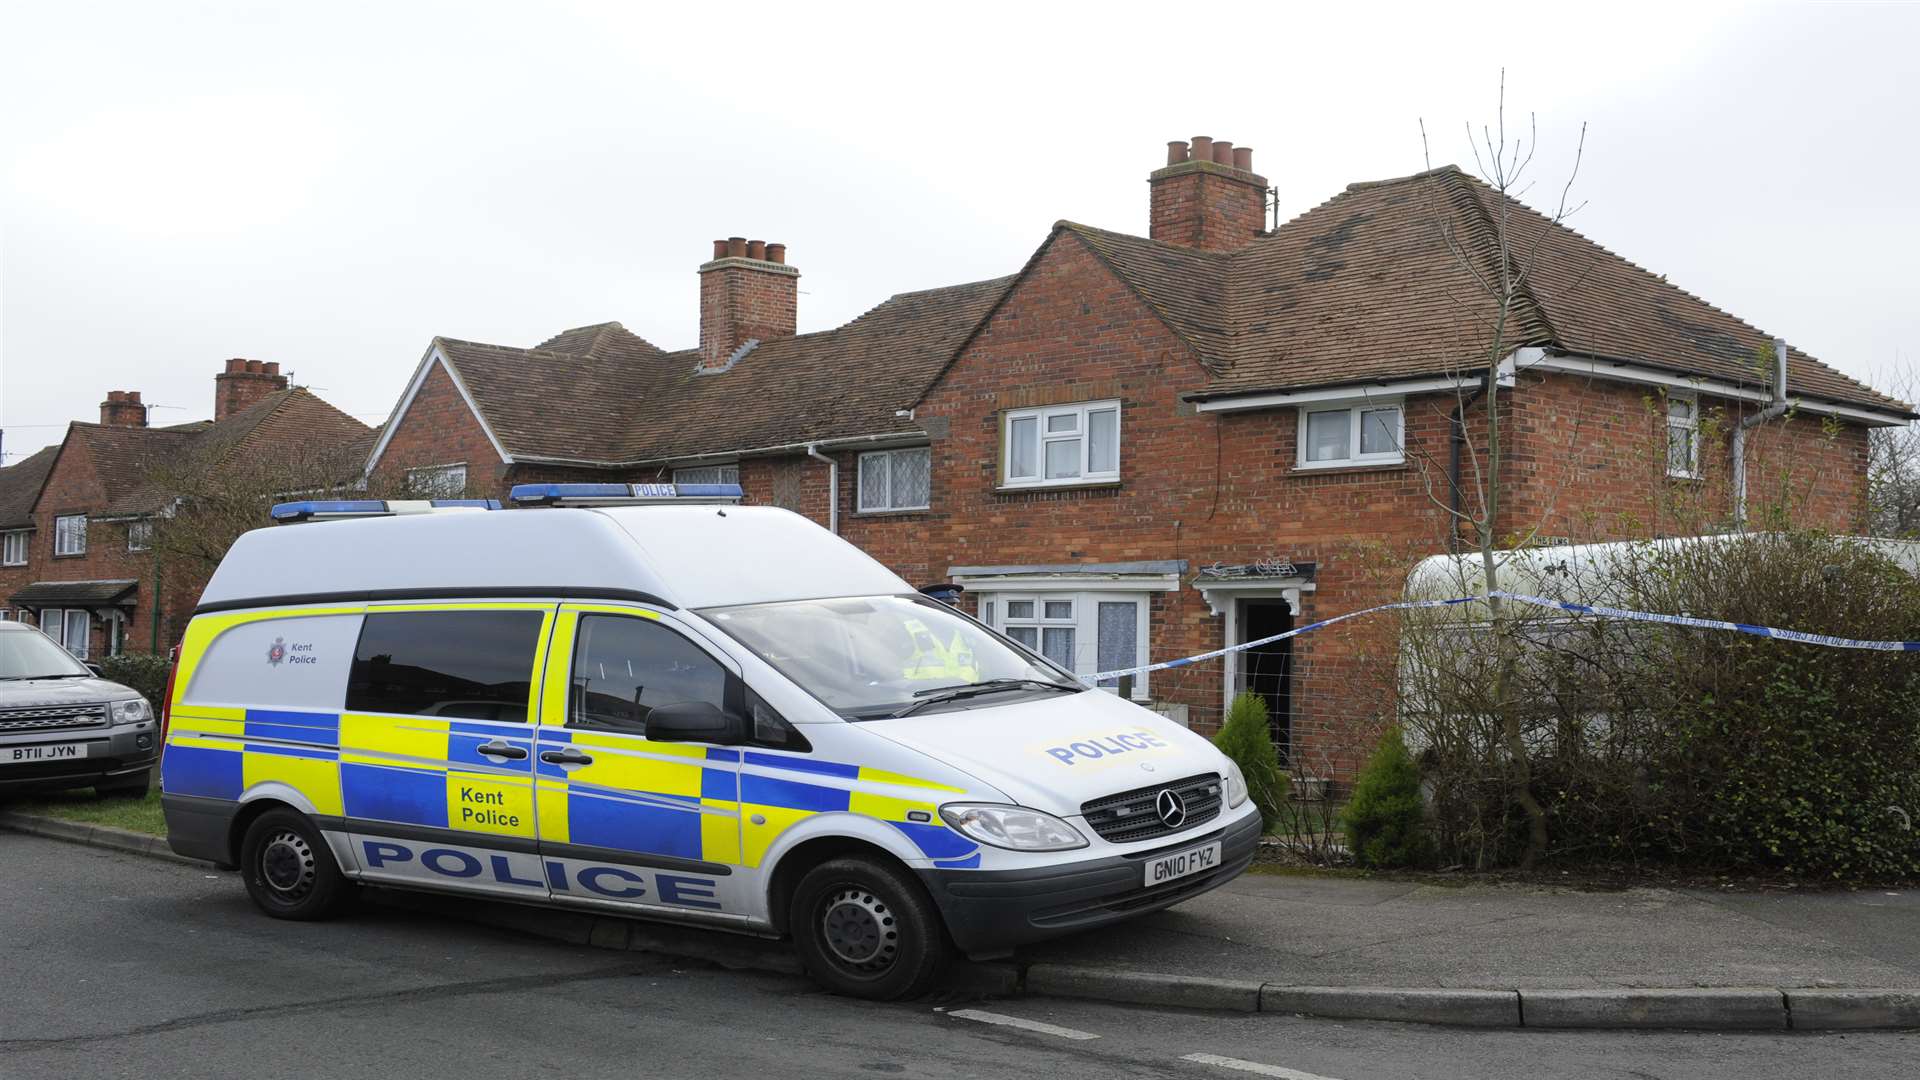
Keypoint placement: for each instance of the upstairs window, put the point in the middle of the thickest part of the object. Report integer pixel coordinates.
(140, 536)
(438, 481)
(896, 480)
(1062, 445)
(1349, 435)
(13, 548)
(1683, 435)
(70, 535)
(707, 474)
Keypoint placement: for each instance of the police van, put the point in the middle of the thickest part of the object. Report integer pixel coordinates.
(652, 701)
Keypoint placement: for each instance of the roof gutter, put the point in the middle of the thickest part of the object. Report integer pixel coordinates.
(904, 437)
(833, 487)
(1747, 423)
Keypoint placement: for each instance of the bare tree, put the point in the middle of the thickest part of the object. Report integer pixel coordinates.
(209, 498)
(1893, 470)
(1501, 281)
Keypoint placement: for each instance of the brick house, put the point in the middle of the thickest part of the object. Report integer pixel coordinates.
(1141, 448)
(77, 518)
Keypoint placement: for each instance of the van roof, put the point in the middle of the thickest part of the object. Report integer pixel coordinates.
(682, 556)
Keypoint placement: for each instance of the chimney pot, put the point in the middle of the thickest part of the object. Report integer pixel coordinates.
(1222, 152)
(236, 365)
(1243, 158)
(1203, 148)
(777, 253)
(736, 247)
(757, 249)
(719, 249)
(1176, 151)
(116, 395)
(133, 397)
(272, 367)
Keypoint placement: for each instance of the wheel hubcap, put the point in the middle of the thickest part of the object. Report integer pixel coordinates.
(859, 929)
(286, 865)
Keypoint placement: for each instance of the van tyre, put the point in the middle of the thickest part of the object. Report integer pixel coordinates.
(865, 928)
(289, 869)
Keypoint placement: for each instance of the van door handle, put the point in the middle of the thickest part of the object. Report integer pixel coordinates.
(569, 756)
(499, 749)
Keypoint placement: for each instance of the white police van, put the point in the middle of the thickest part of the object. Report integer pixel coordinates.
(656, 702)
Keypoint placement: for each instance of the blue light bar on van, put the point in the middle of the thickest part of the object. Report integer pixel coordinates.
(623, 494)
(336, 509)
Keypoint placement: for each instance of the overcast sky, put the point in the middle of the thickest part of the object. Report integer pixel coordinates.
(331, 185)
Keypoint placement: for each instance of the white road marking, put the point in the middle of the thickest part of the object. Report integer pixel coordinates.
(1253, 1067)
(984, 1017)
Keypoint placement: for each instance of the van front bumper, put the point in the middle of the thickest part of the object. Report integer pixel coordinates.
(992, 911)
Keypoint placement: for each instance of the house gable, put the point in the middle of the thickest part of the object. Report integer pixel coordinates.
(436, 422)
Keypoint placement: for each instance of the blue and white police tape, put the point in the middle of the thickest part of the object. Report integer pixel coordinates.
(1800, 636)
(1776, 633)
(1295, 632)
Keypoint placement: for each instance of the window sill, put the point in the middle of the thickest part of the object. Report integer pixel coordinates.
(1685, 476)
(1024, 489)
(918, 511)
(1321, 467)
(70, 555)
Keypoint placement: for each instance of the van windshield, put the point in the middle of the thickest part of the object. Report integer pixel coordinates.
(29, 654)
(877, 656)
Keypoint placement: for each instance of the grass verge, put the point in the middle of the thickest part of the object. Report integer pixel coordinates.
(83, 805)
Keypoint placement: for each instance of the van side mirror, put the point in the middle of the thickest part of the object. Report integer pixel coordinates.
(695, 721)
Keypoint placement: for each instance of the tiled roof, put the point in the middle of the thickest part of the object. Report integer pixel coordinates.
(57, 593)
(1379, 282)
(20, 486)
(622, 401)
(292, 424)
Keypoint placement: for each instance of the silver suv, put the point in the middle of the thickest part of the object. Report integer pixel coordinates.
(62, 726)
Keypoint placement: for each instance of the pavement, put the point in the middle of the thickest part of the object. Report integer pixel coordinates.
(1468, 955)
(122, 965)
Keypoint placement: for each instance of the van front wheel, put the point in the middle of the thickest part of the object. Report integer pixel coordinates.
(288, 868)
(866, 929)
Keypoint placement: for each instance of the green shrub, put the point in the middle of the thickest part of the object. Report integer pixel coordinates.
(1246, 738)
(1385, 820)
(145, 672)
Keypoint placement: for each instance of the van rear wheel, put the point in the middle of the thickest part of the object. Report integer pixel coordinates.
(288, 868)
(866, 929)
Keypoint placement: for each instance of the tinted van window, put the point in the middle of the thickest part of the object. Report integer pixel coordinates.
(624, 668)
(474, 665)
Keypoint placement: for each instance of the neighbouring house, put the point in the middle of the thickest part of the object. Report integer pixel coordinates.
(77, 519)
(1141, 448)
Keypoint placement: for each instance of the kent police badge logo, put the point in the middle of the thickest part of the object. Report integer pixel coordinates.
(277, 651)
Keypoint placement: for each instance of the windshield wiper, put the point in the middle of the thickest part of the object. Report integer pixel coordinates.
(63, 675)
(966, 690)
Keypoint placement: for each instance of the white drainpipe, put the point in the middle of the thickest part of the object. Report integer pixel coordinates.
(1771, 412)
(833, 486)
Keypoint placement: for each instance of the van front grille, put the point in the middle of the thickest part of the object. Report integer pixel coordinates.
(52, 718)
(1135, 815)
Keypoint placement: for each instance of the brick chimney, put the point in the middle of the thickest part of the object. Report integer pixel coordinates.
(244, 383)
(123, 409)
(747, 293)
(1207, 196)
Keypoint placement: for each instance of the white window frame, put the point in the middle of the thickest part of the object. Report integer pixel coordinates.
(14, 545)
(428, 481)
(140, 535)
(1690, 425)
(889, 456)
(64, 532)
(707, 474)
(1081, 431)
(1085, 624)
(85, 636)
(116, 633)
(1355, 411)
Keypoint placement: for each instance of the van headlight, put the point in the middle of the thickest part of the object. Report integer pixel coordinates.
(131, 711)
(1236, 784)
(1014, 827)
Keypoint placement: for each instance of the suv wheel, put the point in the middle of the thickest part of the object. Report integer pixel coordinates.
(866, 929)
(288, 868)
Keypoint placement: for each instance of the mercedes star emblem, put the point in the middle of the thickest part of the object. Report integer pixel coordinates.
(1171, 808)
